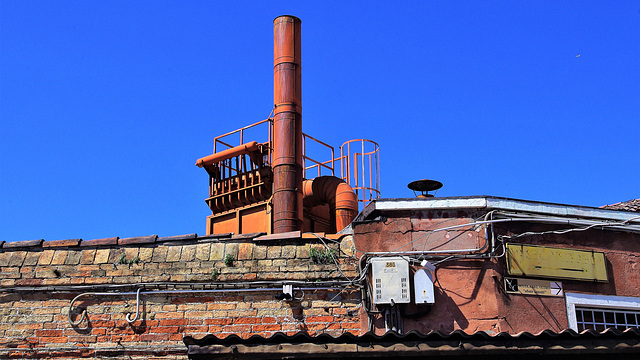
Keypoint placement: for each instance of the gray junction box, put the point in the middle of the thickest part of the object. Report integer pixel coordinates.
(390, 280)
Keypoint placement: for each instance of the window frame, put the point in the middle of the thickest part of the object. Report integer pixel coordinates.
(611, 302)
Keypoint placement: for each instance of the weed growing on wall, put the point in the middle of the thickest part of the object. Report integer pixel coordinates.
(321, 256)
(229, 259)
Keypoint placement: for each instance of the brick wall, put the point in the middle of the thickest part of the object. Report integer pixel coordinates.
(39, 280)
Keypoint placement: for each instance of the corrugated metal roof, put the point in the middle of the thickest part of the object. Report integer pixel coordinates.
(457, 343)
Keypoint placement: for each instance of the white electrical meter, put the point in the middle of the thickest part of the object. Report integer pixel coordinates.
(390, 280)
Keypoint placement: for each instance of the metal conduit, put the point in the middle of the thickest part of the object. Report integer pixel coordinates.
(139, 292)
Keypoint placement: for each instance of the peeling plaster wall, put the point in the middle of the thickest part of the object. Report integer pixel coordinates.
(470, 293)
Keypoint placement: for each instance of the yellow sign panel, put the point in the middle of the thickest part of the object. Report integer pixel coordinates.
(542, 261)
(533, 287)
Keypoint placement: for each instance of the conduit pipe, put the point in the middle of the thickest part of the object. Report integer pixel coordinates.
(620, 226)
(343, 202)
(228, 154)
(139, 292)
(287, 125)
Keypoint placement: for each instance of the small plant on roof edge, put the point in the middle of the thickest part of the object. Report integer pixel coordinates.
(229, 259)
(321, 256)
(214, 274)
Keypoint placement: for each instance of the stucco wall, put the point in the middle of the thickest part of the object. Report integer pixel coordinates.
(470, 293)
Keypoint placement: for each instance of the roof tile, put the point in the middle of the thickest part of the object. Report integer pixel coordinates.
(19, 244)
(60, 243)
(631, 205)
(100, 242)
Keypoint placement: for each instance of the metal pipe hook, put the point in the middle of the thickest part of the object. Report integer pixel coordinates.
(83, 315)
(129, 320)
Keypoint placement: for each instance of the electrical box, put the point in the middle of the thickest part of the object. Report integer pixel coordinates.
(423, 287)
(390, 280)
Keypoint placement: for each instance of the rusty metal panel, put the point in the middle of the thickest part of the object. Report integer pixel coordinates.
(254, 219)
(542, 261)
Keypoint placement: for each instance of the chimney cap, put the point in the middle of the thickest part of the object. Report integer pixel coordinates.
(424, 186)
(288, 16)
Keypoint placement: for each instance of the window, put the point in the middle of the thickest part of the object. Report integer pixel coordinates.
(600, 319)
(599, 312)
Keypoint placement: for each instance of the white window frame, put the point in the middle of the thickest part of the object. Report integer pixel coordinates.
(598, 301)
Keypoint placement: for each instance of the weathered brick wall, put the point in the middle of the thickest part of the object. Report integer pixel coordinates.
(39, 280)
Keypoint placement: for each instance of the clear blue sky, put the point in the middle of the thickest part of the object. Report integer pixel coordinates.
(106, 105)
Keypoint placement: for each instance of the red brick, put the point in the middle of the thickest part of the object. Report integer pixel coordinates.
(268, 320)
(318, 326)
(164, 329)
(224, 321)
(250, 276)
(82, 339)
(151, 323)
(247, 320)
(350, 325)
(28, 282)
(192, 329)
(237, 328)
(102, 323)
(314, 319)
(154, 337)
(98, 331)
(200, 300)
(47, 333)
(198, 314)
(272, 327)
(57, 340)
(55, 303)
(219, 306)
(173, 322)
(170, 315)
(175, 337)
(129, 338)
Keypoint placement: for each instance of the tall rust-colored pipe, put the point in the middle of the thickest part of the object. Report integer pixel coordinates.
(287, 125)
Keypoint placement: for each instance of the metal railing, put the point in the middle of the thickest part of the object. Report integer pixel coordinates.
(360, 168)
(359, 159)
